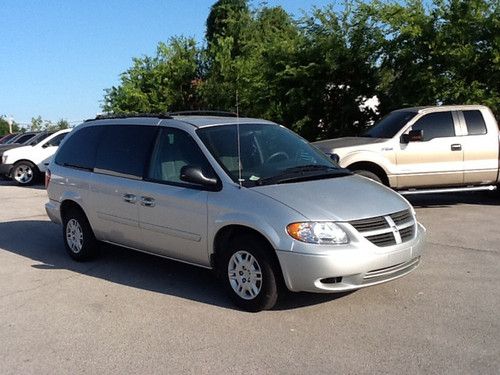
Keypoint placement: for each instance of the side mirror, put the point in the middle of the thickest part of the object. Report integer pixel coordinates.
(413, 136)
(335, 158)
(195, 175)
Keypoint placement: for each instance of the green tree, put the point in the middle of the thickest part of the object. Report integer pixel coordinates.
(4, 126)
(167, 82)
(59, 125)
(37, 124)
(447, 52)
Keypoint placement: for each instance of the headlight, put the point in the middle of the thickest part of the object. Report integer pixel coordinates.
(318, 232)
(4, 159)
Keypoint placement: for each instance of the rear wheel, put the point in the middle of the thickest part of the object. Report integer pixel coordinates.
(249, 274)
(368, 174)
(79, 238)
(25, 173)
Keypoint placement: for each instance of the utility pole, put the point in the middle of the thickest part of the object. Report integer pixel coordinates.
(10, 120)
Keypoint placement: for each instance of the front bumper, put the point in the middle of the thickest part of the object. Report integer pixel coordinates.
(5, 169)
(351, 268)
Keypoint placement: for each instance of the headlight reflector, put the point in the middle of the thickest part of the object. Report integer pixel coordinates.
(318, 232)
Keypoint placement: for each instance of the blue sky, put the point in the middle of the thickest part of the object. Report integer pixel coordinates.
(57, 56)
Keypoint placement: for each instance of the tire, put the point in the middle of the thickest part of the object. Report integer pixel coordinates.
(368, 174)
(25, 173)
(79, 238)
(249, 274)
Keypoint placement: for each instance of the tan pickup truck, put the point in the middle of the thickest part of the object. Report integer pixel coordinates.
(424, 149)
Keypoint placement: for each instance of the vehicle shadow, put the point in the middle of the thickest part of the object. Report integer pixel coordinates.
(44, 245)
(37, 186)
(435, 200)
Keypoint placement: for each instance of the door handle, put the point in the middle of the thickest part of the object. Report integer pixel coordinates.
(130, 198)
(456, 147)
(147, 202)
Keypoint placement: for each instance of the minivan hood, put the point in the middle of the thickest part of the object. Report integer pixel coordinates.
(328, 145)
(337, 199)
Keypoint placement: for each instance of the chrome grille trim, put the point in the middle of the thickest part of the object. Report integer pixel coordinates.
(388, 230)
(392, 270)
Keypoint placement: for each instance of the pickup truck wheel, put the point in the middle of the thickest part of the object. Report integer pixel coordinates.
(368, 174)
(25, 173)
(250, 278)
(79, 238)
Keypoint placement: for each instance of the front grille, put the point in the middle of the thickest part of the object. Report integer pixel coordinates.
(407, 233)
(384, 239)
(373, 223)
(387, 230)
(402, 217)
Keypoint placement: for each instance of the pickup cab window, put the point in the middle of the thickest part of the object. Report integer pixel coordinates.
(475, 122)
(435, 125)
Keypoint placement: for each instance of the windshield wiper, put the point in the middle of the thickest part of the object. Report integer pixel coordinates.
(304, 173)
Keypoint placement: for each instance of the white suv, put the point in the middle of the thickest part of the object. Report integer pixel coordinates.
(25, 165)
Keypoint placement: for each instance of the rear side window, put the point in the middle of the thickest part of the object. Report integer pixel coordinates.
(54, 142)
(80, 148)
(125, 149)
(475, 122)
(436, 125)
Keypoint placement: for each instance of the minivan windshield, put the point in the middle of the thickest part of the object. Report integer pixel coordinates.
(390, 124)
(270, 154)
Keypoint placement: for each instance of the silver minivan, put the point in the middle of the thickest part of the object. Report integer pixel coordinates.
(245, 197)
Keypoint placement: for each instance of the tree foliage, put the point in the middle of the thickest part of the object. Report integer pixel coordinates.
(314, 74)
(4, 126)
(39, 124)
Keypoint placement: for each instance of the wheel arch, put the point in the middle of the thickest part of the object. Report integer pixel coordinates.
(371, 167)
(69, 204)
(223, 237)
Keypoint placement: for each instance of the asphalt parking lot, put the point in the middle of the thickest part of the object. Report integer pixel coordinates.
(127, 312)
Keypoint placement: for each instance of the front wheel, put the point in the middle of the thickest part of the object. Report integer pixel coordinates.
(25, 173)
(250, 277)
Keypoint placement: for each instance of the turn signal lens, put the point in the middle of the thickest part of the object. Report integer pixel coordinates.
(318, 233)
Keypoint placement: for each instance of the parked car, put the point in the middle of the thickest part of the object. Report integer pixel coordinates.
(19, 140)
(26, 164)
(7, 137)
(426, 149)
(245, 197)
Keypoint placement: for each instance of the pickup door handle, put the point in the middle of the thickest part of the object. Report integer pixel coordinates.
(147, 202)
(130, 198)
(456, 147)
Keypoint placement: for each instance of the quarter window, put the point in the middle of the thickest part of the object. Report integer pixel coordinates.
(79, 150)
(124, 150)
(475, 122)
(175, 149)
(436, 125)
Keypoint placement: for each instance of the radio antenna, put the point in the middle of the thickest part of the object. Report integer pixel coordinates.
(240, 180)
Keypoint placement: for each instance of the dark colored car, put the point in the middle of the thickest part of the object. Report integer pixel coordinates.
(6, 138)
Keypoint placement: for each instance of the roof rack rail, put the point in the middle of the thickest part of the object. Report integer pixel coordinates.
(131, 114)
(203, 113)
